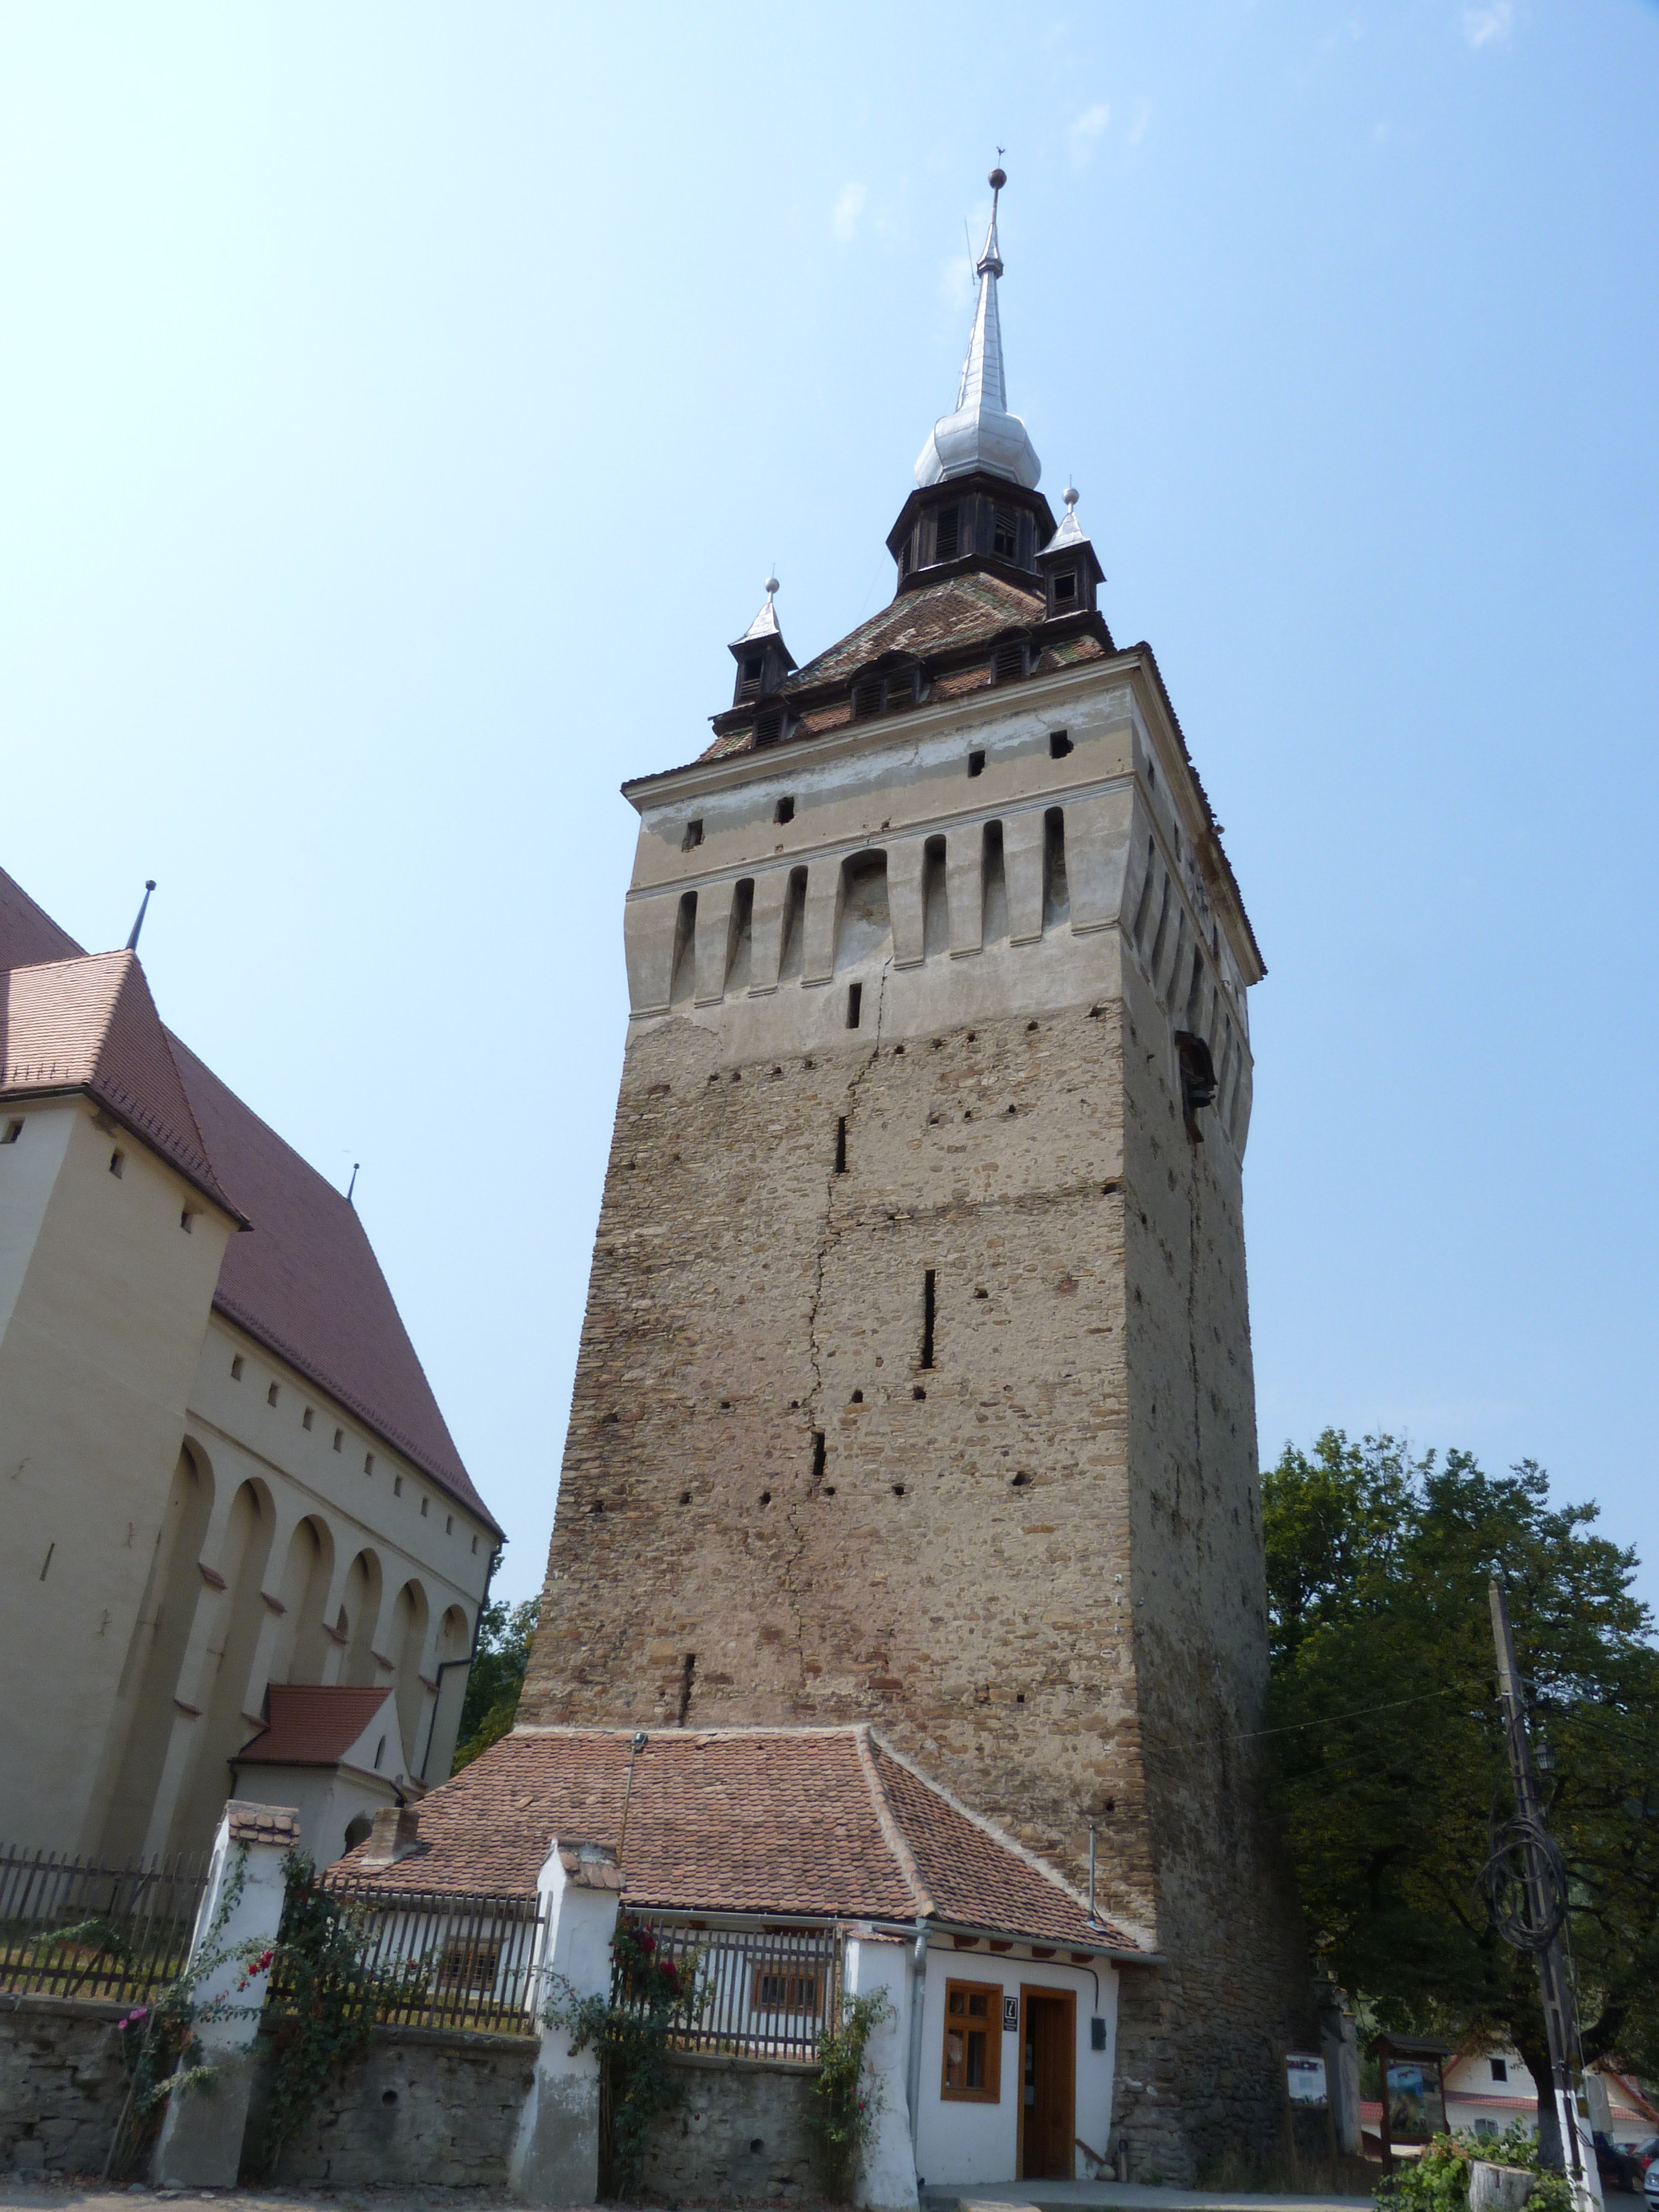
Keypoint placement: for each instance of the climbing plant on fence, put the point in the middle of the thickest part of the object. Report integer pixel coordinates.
(630, 2031)
(325, 1998)
(848, 2106)
(158, 2045)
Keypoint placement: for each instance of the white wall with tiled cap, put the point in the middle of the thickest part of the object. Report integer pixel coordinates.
(979, 2143)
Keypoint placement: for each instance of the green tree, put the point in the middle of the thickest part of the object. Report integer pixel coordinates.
(505, 1635)
(1389, 1740)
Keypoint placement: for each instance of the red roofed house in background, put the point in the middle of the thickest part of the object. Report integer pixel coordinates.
(225, 1472)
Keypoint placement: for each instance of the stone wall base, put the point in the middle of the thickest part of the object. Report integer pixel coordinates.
(743, 2134)
(62, 2084)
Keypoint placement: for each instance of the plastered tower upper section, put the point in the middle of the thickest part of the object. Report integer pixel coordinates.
(1001, 847)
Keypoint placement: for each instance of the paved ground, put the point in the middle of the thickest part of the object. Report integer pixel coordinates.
(1137, 2197)
(56, 2196)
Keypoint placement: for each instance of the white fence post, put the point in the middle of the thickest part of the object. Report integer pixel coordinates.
(200, 2145)
(880, 1965)
(556, 2159)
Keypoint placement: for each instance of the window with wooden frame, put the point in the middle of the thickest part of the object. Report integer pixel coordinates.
(973, 2043)
(786, 1989)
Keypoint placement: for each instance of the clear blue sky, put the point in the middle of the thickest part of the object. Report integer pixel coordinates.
(400, 407)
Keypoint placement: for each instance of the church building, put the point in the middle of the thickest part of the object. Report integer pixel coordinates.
(236, 1526)
(914, 1392)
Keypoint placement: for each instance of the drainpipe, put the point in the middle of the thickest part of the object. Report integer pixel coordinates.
(445, 1665)
(913, 2062)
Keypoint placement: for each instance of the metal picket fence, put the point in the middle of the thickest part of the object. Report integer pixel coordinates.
(755, 1992)
(74, 1927)
(446, 1959)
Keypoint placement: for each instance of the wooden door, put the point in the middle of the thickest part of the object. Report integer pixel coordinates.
(1047, 2085)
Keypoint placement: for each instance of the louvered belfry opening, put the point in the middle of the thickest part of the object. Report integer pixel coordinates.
(866, 697)
(768, 727)
(947, 534)
(901, 689)
(1008, 662)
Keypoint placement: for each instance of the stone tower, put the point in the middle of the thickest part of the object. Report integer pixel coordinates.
(916, 1385)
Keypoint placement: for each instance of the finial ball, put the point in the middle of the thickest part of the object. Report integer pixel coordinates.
(771, 585)
(997, 180)
(1071, 494)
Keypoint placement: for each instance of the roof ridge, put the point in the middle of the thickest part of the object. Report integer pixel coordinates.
(897, 1841)
(1137, 1931)
(617, 1728)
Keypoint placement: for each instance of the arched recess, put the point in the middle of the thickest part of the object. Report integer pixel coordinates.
(304, 1592)
(156, 1651)
(409, 1616)
(362, 1616)
(865, 929)
(233, 1637)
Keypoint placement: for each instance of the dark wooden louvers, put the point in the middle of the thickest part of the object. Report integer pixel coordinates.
(768, 727)
(1009, 660)
(945, 535)
(866, 697)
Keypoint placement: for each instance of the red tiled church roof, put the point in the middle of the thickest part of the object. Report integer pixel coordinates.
(304, 1279)
(826, 1822)
(90, 1025)
(312, 1724)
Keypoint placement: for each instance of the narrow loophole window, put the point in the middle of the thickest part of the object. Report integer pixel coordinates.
(817, 1454)
(1059, 744)
(273, 1393)
(784, 811)
(308, 1420)
(855, 1004)
(928, 1319)
(693, 836)
(841, 1144)
(186, 1221)
(14, 1131)
(368, 1469)
(339, 1439)
(425, 1502)
(236, 1368)
(976, 763)
(116, 1162)
(397, 1485)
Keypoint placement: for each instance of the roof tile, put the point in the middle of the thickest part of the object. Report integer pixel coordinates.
(824, 1822)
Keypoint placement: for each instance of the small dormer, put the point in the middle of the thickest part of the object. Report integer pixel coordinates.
(1071, 574)
(762, 657)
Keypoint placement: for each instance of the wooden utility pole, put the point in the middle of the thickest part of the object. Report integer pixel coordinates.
(1540, 1932)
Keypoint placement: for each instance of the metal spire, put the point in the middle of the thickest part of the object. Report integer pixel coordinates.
(981, 434)
(143, 909)
(765, 623)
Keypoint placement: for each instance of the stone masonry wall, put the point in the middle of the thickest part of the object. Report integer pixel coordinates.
(957, 1568)
(62, 2084)
(421, 2105)
(1201, 2066)
(1035, 1562)
(743, 2134)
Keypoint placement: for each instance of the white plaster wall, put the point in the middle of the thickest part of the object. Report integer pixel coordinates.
(1134, 823)
(979, 2143)
(108, 1298)
(368, 1498)
(110, 1359)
